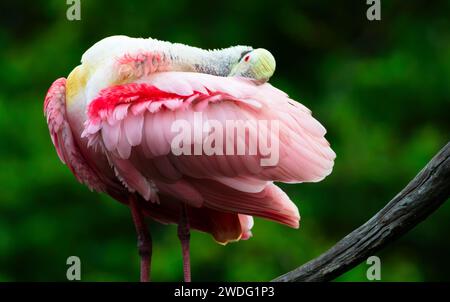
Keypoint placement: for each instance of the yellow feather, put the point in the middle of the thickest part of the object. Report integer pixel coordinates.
(76, 81)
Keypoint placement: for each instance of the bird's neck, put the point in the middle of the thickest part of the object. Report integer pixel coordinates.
(215, 62)
(182, 57)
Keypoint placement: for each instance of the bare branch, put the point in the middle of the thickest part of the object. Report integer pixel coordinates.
(421, 197)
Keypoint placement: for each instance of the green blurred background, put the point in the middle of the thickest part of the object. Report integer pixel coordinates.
(380, 88)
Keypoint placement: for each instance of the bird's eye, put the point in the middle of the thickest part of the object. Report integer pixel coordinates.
(247, 57)
(243, 54)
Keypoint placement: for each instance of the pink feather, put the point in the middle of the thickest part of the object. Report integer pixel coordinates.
(133, 122)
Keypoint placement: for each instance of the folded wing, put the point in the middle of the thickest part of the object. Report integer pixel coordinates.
(134, 123)
(62, 137)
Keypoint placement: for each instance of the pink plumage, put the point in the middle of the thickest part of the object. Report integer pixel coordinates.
(121, 145)
(131, 123)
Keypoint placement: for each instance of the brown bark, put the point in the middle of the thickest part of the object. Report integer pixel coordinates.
(421, 197)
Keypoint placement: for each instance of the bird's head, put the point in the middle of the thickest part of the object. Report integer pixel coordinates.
(258, 64)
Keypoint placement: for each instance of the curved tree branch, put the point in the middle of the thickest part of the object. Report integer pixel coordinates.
(421, 197)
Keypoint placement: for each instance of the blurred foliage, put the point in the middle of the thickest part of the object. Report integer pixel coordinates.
(380, 88)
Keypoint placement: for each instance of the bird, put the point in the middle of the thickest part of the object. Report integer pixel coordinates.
(112, 123)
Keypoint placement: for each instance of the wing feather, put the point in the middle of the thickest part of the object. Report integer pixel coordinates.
(62, 137)
(145, 111)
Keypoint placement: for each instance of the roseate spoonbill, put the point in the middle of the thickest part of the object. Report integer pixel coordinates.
(110, 122)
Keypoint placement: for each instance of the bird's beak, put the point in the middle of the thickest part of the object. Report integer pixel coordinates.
(264, 65)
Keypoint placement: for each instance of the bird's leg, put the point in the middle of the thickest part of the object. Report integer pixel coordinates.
(144, 239)
(184, 236)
